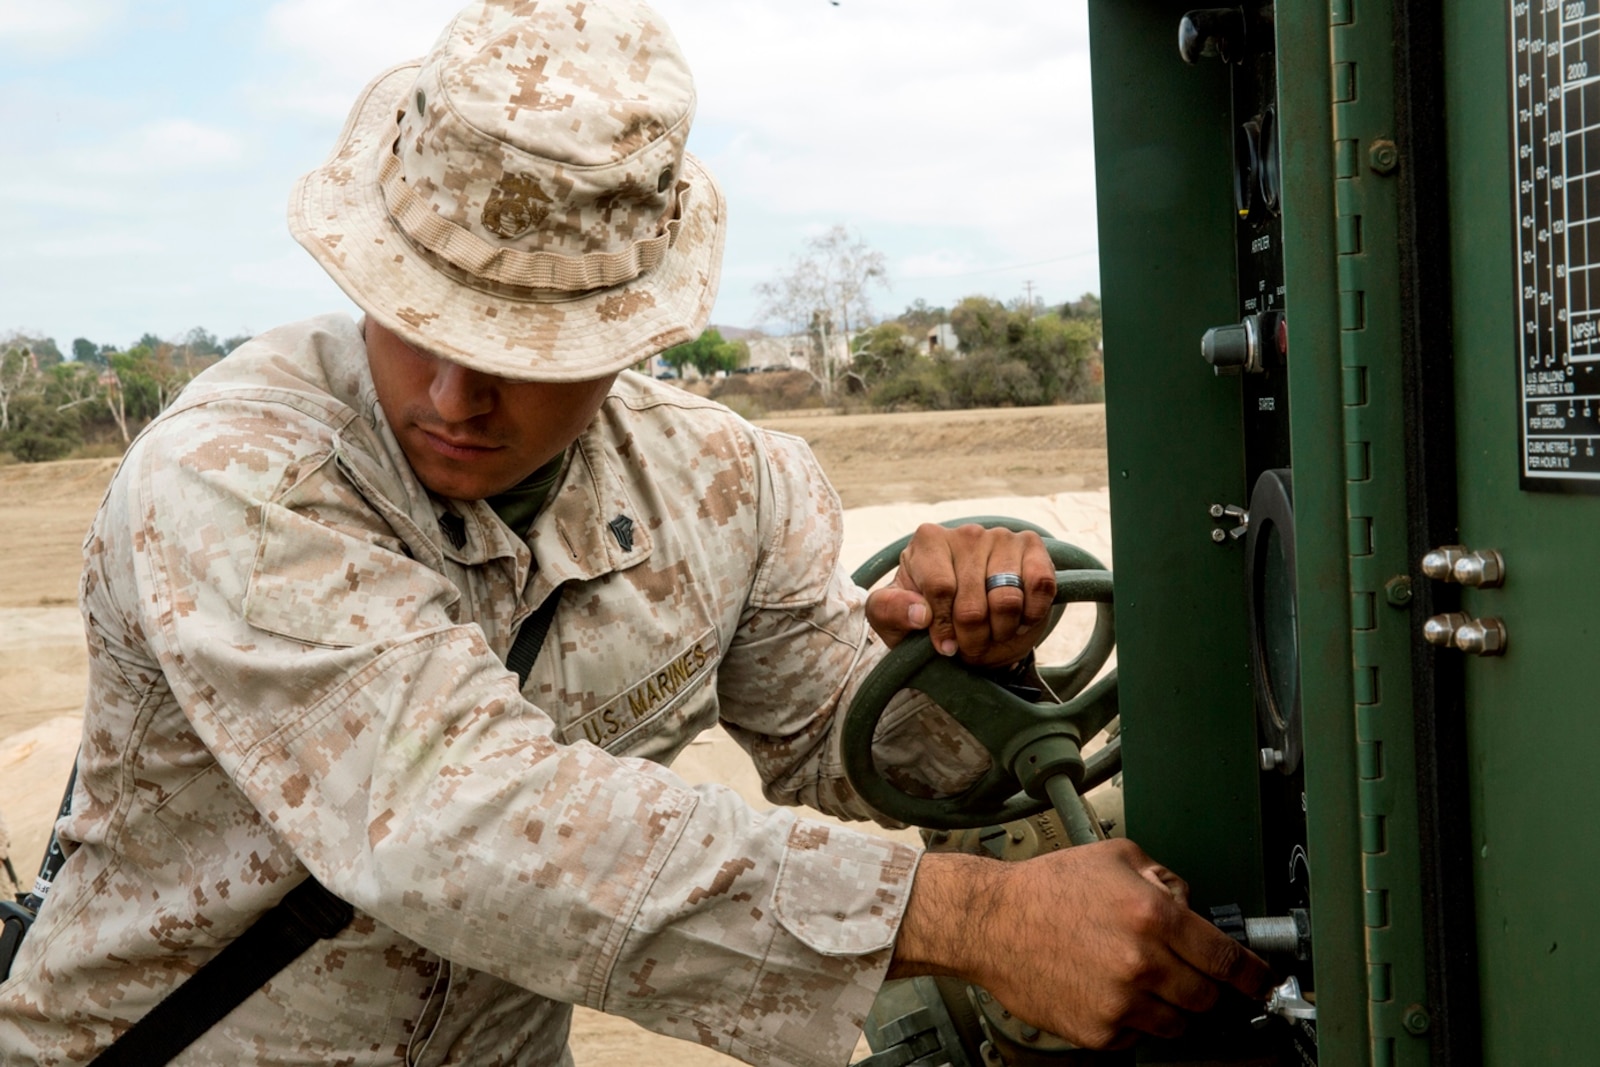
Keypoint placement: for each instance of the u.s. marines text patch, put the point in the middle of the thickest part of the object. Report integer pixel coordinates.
(649, 698)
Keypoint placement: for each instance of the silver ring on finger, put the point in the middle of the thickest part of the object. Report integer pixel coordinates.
(1004, 580)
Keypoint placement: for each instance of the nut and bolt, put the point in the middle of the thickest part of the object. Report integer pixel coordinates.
(1457, 563)
(1416, 1020)
(1482, 637)
(1440, 630)
(1440, 564)
(1271, 759)
(1483, 569)
(1397, 590)
(1384, 155)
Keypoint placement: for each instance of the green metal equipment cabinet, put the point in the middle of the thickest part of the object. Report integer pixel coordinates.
(1352, 407)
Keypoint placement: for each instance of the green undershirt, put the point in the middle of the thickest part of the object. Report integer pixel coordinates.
(519, 505)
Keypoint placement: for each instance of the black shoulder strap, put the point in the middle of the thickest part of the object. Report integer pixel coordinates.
(305, 916)
(530, 637)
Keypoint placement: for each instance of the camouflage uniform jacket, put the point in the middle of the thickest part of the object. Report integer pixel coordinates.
(296, 664)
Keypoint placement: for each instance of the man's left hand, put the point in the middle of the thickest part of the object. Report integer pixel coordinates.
(940, 587)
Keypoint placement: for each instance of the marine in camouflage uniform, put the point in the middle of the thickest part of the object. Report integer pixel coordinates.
(295, 667)
(298, 603)
(297, 650)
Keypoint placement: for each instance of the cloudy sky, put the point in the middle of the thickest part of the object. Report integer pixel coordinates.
(153, 144)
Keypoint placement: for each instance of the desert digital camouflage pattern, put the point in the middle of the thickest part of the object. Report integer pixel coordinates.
(296, 665)
(520, 201)
(8, 888)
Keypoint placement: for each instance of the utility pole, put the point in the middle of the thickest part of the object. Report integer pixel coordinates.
(1028, 286)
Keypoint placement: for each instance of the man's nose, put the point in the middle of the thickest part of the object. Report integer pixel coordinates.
(460, 393)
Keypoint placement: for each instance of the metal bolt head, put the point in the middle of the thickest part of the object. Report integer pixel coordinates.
(1218, 511)
(1482, 637)
(1384, 156)
(1416, 1020)
(1440, 564)
(1030, 1033)
(1486, 569)
(1271, 759)
(1219, 535)
(1440, 630)
(1397, 590)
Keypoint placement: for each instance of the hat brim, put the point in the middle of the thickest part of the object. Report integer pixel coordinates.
(337, 212)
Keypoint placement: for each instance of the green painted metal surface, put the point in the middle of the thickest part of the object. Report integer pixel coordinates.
(1316, 396)
(1533, 730)
(1175, 447)
(1348, 443)
(1374, 462)
(1357, 371)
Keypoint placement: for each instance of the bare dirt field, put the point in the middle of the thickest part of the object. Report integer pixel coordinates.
(892, 472)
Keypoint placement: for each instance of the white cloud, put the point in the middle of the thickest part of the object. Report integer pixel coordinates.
(293, 272)
(935, 117)
(335, 47)
(172, 145)
(953, 136)
(56, 27)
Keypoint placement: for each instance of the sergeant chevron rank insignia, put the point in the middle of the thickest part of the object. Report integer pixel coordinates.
(647, 699)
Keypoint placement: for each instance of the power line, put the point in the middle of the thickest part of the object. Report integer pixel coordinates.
(1013, 266)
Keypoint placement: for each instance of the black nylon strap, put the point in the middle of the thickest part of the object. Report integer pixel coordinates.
(531, 635)
(305, 916)
(301, 919)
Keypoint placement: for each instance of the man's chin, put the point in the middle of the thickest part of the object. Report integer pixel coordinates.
(462, 485)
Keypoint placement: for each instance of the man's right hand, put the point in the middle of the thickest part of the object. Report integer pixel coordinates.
(1095, 943)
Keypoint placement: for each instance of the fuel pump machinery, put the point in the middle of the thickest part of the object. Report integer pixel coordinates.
(1352, 409)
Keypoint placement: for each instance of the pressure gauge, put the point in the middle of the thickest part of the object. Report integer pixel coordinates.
(1274, 617)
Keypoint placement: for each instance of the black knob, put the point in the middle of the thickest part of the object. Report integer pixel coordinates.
(1212, 31)
(1229, 918)
(1232, 349)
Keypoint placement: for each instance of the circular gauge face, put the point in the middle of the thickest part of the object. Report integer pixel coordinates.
(1274, 616)
(1271, 168)
(1246, 165)
(1276, 611)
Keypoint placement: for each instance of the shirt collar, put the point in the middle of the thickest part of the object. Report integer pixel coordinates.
(591, 524)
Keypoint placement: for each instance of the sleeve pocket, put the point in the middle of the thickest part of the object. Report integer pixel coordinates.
(842, 892)
(321, 586)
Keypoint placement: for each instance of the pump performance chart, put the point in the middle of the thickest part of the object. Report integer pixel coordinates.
(1555, 62)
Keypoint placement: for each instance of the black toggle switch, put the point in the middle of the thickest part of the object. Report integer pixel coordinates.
(1212, 31)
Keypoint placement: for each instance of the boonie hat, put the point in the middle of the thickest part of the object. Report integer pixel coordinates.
(520, 200)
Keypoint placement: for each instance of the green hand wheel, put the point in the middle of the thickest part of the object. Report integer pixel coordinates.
(1034, 748)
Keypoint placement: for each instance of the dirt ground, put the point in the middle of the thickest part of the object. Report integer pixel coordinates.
(892, 472)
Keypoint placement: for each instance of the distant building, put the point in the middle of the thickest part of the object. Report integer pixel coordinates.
(941, 338)
(777, 353)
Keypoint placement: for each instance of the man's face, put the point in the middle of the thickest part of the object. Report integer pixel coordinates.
(469, 435)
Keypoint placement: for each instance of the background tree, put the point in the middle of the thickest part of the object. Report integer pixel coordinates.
(919, 315)
(73, 385)
(826, 295)
(883, 352)
(1008, 357)
(980, 322)
(1085, 307)
(708, 354)
(24, 360)
(39, 431)
(88, 353)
